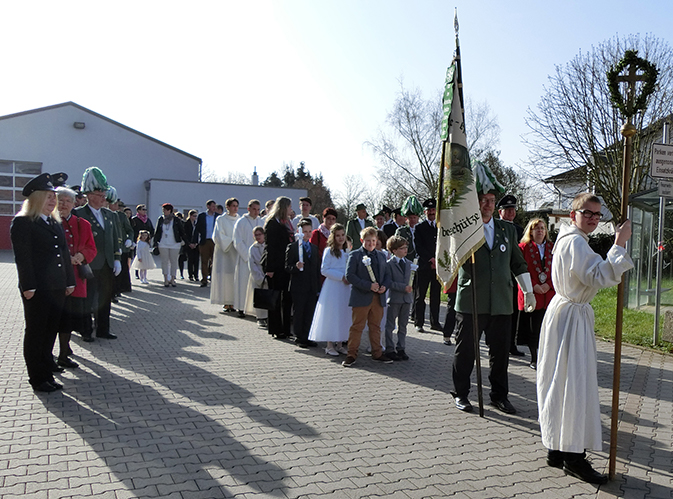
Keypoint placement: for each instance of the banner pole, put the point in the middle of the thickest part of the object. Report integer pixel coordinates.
(476, 335)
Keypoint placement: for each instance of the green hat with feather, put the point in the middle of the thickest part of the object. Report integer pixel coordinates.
(485, 179)
(111, 195)
(94, 180)
(411, 206)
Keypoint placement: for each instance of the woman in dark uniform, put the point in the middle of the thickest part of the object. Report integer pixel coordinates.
(45, 277)
(278, 234)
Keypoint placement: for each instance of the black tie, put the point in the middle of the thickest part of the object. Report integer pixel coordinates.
(402, 265)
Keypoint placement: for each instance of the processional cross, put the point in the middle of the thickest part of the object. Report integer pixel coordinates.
(648, 75)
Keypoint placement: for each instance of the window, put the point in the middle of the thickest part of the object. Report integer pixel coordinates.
(13, 176)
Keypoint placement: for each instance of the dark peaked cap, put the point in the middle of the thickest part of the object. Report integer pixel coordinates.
(507, 201)
(40, 183)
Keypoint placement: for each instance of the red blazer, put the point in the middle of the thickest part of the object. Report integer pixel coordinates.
(79, 237)
(319, 240)
(532, 257)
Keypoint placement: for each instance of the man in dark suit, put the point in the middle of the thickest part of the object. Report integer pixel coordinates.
(192, 250)
(357, 224)
(394, 223)
(203, 236)
(507, 212)
(304, 282)
(426, 242)
(107, 263)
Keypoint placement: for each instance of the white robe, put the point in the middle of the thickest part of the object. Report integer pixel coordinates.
(243, 239)
(255, 280)
(567, 383)
(222, 289)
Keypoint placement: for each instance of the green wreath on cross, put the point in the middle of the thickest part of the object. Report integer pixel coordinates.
(650, 72)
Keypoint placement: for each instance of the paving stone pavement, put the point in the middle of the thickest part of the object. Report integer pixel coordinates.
(188, 403)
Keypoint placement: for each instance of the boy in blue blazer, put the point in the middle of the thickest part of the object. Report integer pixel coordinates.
(368, 273)
(400, 297)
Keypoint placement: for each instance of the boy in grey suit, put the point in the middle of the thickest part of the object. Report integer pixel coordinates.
(400, 297)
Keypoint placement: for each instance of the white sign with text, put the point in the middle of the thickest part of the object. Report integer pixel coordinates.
(662, 161)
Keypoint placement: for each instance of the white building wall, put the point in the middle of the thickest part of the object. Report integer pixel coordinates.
(127, 158)
(193, 195)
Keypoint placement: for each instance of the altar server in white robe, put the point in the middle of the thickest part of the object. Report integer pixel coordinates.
(567, 382)
(243, 239)
(225, 257)
(256, 279)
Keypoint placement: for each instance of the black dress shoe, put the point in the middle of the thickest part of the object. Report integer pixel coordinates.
(436, 327)
(463, 404)
(420, 329)
(533, 366)
(241, 314)
(579, 467)
(87, 339)
(45, 387)
(66, 362)
(204, 284)
(555, 459)
(504, 405)
(108, 336)
(56, 385)
(516, 352)
(56, 369)
(447, 341)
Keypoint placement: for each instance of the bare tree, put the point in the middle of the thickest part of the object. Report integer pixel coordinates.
(410, 149)
(354, 191)
(210, 174)
(576, 126)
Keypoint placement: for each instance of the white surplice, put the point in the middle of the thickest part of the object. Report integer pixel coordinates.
(567, 383)
(243, 239)
(224, 261)
(255, 280)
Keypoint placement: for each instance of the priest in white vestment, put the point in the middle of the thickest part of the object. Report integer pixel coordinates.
(243, 239)
(225, 257)
(567, 383)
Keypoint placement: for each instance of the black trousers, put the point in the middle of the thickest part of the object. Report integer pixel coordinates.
(72, 319)
(193, 262)
(123, 280)
(425, 278)
(497, 331)
(450, 321)
(302, 317)
(100, 290)
(43, 315)
(530, 325)
(280, 320)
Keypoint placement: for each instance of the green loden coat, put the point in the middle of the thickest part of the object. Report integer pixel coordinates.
(495, 270)
(106, 238)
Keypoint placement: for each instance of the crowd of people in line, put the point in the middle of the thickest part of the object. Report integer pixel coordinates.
(75, 249)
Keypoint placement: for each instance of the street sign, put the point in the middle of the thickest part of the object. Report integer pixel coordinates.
(665, 189)
(662, 161)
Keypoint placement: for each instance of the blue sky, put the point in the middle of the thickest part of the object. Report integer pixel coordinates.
(258, 83)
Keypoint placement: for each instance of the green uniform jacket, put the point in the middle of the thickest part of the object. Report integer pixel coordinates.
(353, 230)
(125, 231)
(405, 232)
(494, 268)
(106, 238)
